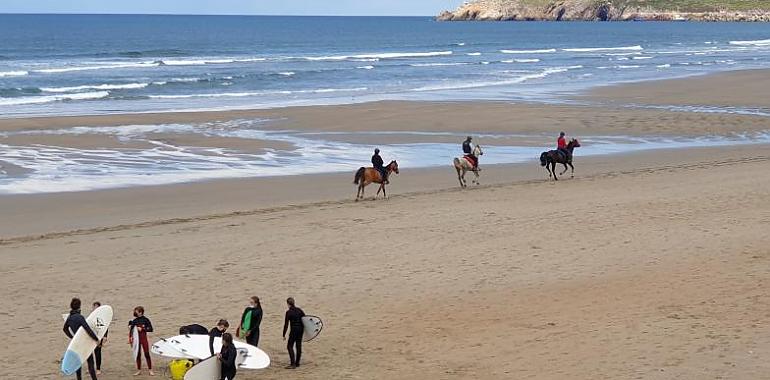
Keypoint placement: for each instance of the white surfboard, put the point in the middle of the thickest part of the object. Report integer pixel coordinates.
(313, 326)
(164, 348)
(211, 368)
(82, 345)
(135, 341)
(197, 346)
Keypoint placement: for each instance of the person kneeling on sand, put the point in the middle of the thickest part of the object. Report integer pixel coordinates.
(294, 319)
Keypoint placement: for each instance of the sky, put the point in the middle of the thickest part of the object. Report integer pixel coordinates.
(240, 7)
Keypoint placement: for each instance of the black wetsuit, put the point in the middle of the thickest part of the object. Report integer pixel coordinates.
(144, 343)
(194, 329)
(228, 362)
(98, 352)
(252, 336)
(294, 319)
(379, 165)
(71, 326)
(214, 333)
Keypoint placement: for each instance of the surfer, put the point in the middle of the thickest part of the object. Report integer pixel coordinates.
(216, 332)
(142, 325)
(98, 349)
(71, 326)
(294, 318)
(250, 321)
(227, 357)
(379, 164)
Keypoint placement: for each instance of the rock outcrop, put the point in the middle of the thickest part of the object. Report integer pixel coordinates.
(588, 10)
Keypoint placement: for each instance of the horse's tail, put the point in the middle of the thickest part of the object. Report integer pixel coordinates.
(359, 175)
(544, 159)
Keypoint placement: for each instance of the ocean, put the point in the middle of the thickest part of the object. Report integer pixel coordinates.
(97, 64)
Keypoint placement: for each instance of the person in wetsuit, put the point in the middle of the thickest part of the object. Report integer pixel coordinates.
(143, 326)
(98, 349)
(227, 356)
(379, 165)
(75, 322)
(217, 332)
(468, 150)
(250, 321)
(294, 319)
(194, 329)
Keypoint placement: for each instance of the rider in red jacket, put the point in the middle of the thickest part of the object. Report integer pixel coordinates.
(561, 144)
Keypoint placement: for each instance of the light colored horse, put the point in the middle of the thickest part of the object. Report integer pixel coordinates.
(365, 176)
(463, 166)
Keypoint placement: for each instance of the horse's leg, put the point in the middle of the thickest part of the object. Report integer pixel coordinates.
(459, 179)
(573, 170)
(476, 179)
(358, 192)
(553, 170)
(565, 168)
(384, 194)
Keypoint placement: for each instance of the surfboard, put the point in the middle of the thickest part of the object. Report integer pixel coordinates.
(135, 341)
(211, 368)
(164, 348)
(313, 326)
(82, 345)
(197, 346)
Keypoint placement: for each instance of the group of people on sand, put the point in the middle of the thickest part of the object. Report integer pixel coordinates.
(248, 328)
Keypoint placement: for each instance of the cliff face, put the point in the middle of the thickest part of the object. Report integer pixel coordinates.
(587, 10)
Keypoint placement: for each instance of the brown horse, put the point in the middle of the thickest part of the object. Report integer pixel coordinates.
(365, 176)
(553, 157)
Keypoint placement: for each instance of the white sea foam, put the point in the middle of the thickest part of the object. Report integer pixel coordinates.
(98, 67)
(663, 66)
(368, 67)
(379, 56)
(259, 93)
(642, 58)
(53, 98)
(627, 66)
(18, 73)
(127, 86)
(751, 43)
(287, 73)
(583, 50)
(540, 51)
(474, 54)
(515, 80)
(437, 64)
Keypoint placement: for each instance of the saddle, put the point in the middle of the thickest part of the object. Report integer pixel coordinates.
(471, 160)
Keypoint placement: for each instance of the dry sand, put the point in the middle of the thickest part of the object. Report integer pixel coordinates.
(648, 265)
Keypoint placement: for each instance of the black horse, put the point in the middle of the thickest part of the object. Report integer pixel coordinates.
(550, 158)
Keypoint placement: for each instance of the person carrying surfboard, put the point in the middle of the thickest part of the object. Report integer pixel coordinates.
(98, 349)
(250, 321)
(142, 325)
(216, 332)
(227, 357)
(74, 322)
(294, 319)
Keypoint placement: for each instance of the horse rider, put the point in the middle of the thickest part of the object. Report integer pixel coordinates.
(561, 145)
(468, 150)
(379, 165)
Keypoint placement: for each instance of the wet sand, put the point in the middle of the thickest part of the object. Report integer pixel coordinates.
(647, 265)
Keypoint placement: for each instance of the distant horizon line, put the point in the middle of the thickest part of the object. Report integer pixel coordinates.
(192, 14)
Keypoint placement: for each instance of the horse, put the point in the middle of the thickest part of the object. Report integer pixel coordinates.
(462, 165)
(365, 176)
(553, 157)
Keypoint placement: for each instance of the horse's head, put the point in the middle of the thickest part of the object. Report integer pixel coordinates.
(393, 166)
(477, 151)
(574, 143)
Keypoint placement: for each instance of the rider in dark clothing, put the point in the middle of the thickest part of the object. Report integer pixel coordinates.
(250, 321)
(468, 150)
(294, 319)
(379, 165)
(74, 322)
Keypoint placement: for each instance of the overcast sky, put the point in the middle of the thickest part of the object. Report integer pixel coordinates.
(244, 7)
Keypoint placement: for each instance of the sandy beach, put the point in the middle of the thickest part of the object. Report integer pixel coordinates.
(647, 265)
